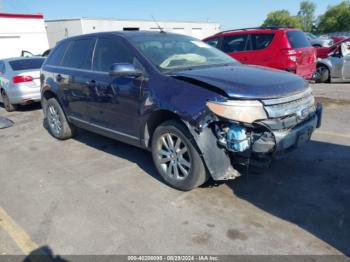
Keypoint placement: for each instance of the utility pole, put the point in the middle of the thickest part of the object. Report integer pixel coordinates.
(2, 7)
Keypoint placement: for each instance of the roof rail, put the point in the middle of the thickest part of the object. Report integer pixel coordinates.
(252, 28)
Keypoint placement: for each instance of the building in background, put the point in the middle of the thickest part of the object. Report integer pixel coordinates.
(22, 32)
(62, 28)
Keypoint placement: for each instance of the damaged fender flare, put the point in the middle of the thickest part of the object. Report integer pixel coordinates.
(215, 158)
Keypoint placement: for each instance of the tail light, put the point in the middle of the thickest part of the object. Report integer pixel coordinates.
(22, 79)
(291, 53)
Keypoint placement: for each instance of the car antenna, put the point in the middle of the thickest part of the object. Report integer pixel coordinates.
(160, 29)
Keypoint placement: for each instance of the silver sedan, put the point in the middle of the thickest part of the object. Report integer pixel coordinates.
(20, 81)
(319, 41)
(336, 66)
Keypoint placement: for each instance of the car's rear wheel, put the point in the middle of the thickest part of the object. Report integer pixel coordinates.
(176, 157)
(56, 120)
(323, 74)
(7, 104)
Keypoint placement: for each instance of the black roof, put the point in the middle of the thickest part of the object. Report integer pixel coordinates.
(124, 33)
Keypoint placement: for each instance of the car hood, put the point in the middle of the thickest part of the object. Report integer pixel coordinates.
(245, 82)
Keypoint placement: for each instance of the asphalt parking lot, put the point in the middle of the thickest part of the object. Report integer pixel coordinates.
(93, 195)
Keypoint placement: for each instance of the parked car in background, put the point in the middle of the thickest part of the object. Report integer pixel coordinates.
(319, 41)
(20, 81)
(325, 51)
(337, 39)
(195, 108)
(336, 65)
(281, 48)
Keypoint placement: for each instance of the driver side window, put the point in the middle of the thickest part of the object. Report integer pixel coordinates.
(109, 51)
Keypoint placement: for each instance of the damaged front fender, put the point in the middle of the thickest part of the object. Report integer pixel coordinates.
(215, 157)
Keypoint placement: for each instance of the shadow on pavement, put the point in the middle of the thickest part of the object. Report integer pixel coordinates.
(25, 108)
(133, 154)
(310, 188)
(43, 254)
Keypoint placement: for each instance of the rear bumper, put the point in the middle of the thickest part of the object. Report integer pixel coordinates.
(22, 94)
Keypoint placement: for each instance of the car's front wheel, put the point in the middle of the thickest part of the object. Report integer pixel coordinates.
(176, 157)
(323, 74)
(56, 121)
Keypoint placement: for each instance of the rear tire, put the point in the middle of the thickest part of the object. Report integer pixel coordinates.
(56, 120)
(176, 156)
(7, 104)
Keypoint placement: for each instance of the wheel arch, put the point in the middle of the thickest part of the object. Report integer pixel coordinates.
(154, 120)
(324, 63)
(45, 96)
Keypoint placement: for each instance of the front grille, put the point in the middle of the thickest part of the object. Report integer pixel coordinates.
(301, 105)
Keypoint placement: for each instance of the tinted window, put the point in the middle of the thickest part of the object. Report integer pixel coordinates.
(57, 54)
(298, 39)
(79, 54)
(234, 43)
(109, 51)
(213, 42)
(2, 67)
(262, 41)
(27, 64)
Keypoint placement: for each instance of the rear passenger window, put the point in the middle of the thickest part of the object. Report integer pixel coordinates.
(261, 41)
(235, 43)
(79, 54)
(213, 42)
(298, 39)
(109, 51)
(57, 54)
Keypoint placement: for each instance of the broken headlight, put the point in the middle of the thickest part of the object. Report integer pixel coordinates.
(247, 111)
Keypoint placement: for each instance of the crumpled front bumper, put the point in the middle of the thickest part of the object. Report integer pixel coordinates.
(282, 140)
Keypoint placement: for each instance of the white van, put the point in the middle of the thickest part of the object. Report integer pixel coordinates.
(22, 34)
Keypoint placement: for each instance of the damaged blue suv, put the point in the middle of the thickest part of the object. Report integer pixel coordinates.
(199, 111)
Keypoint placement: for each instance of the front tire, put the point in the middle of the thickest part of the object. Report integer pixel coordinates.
(56, 120)
(176, 157)
(7, 104)
(323, 74)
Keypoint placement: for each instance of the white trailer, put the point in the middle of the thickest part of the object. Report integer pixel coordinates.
(63, 28)
(22, 32)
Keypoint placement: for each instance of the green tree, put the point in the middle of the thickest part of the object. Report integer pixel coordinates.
(307, 15)
(282, 18)
(336, 18)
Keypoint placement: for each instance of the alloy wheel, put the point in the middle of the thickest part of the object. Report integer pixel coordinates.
(54, 120)
(174, 157)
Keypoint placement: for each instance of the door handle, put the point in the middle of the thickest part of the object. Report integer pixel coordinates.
(59, 78)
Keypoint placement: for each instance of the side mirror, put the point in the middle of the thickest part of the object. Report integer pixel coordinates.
(124, 70)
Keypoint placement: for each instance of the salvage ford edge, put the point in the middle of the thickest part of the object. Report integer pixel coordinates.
(199, 111)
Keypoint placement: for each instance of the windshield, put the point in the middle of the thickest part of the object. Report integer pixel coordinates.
(171, 52)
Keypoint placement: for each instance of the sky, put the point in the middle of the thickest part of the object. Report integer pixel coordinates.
(230, 14)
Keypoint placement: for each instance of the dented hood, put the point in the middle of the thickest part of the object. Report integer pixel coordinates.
(245, 82)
